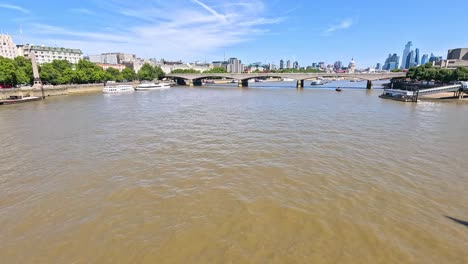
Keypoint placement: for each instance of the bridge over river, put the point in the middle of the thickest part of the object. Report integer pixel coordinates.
(194, 79)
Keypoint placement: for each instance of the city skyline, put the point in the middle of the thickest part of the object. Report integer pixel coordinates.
(194, 30)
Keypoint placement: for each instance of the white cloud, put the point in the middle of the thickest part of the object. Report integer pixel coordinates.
(83, 11)
(193, 31)
(347, 23)
(209, 9)
(15, 7)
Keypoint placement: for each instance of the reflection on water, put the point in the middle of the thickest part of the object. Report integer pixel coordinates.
(211, 175)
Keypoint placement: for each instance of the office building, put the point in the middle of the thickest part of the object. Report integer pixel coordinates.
(406, 51)
(433, 58)
(378, 67)
(337, 65)
(457, 54)
(235, 66)
(48, 54)
(296, 65)
(424, 59)
(112, 58)
(8, 48)
(455, 58)
(410, 60)
(281, 64)
(288, 64)
(391, 63)
(416, 60)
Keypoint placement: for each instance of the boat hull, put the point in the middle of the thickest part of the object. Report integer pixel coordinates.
(118, 89)
(19, 101)
(156, 88)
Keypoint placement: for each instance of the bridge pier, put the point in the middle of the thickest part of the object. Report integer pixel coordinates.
(369, 85)
(243, 83)
(180, 81)
(192, 83)
(300, 84)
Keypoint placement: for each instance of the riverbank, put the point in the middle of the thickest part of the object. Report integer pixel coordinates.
(58, 90)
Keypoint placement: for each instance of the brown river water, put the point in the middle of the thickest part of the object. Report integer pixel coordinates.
(229, 175)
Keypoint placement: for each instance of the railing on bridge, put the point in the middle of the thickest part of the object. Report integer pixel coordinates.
(448, 88)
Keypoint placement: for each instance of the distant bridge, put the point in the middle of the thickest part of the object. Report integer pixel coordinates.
(195, 79)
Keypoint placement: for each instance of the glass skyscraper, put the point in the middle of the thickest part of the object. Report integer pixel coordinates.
(417, 57)
(406, 51)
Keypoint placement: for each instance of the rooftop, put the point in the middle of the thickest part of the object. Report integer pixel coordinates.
(57, 49)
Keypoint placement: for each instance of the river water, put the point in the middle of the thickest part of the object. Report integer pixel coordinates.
(227, 175)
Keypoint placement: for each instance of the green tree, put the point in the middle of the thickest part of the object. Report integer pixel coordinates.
(147, 73)
(159, 72)
(8, 72)
(24, 70)
(185, 71)
(128, 74)
(114, 75)
(89, 72)
(49, 74)
(216, 70)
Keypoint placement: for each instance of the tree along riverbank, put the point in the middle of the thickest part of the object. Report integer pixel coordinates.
(56, 90)
(19, 72)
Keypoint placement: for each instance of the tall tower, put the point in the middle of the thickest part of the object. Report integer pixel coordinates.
(417, 57)
(406, 51)
(410, 60)
(425, 59)
(37, 78)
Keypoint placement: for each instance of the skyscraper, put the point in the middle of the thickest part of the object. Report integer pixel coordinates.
(281, 64)
(433, 58)
(288, 64)
(338, 65)
(406, 51)
(425, 59)
(392, 62)
(378, 66)
(416, 60)
(296, 65)
(410, 59)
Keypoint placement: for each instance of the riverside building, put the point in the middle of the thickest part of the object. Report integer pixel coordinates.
(48, 54)
(7, 47)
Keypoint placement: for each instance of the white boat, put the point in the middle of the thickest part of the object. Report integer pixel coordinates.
(118, 89)
(316, 82)
(288, 80)
(152, 86)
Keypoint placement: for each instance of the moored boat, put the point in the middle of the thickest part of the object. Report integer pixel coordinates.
(152, 86)
(400, 95)
(316, 82)
(118, 89)
(19, 99)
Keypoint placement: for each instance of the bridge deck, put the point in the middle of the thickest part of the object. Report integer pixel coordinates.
(449, 88)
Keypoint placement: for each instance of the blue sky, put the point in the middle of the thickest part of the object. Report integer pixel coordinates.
(252, 30)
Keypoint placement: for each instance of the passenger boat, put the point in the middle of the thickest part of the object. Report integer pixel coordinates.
(118, 89)
(19, 99)
(316, 82)
(288, 80)
(400, 95)
(152, 86)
